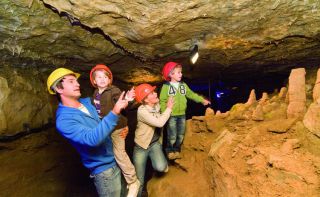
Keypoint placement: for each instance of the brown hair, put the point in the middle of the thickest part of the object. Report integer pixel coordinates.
(60, 86)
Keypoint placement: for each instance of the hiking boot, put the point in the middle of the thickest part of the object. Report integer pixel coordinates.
(171, 156)
(144, 193)
(133, 189)
(166, 170)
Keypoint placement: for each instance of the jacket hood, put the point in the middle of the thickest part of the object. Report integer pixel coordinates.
(107, 89)
(150, 109)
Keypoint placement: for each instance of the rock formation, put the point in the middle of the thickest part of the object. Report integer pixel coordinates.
(24, 102)
(258, 113)
(296, 93)
(252, 98)
(282, 93)
(312, 117)
(276, 156)
(264, 98)
(316, 89)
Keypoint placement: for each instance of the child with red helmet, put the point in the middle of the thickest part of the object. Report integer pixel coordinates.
(147, 134)
(174, 87)
(104, 99)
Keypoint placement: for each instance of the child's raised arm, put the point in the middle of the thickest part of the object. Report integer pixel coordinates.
(163, 98)
(144, 116)
(195, 97)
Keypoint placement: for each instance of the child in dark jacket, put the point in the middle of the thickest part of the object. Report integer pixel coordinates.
(104, 98)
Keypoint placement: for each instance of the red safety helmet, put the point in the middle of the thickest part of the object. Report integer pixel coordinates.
(99, 67)
(167, 69)
(142, 91)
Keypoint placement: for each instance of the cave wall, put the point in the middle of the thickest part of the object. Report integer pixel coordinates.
(24, 101)
(135, 39)
(29, 29)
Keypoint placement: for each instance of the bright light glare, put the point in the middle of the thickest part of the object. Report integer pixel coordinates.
(194, 58)
(219, 94)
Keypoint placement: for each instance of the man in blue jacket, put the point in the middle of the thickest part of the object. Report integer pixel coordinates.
(78, 121)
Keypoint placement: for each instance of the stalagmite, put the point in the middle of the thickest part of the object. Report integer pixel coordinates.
(252, 98)
(258, 114)
(264, 98)
(208, 118)
(297, 93)
(286, 100)
(316, 89)
(283, 93)
(275, 96)
(222, 115)
(311, 119)
(209, 112)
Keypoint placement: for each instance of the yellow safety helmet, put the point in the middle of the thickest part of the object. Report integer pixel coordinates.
(58, 74)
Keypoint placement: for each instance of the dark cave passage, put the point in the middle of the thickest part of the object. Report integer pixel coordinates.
(225, 93)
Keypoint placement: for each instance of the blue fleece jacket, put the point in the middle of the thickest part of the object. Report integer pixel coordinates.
(88, 134)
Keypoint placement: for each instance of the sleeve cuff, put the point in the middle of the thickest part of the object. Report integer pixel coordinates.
(168, 110)
(111, 116)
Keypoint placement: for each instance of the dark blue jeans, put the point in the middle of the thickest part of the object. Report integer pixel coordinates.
(140, 157)
(175, 133)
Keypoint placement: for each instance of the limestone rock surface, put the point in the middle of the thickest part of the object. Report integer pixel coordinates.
(24, 102)
(139, 36)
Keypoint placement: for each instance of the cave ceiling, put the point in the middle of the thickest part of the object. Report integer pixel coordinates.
(135, 38)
